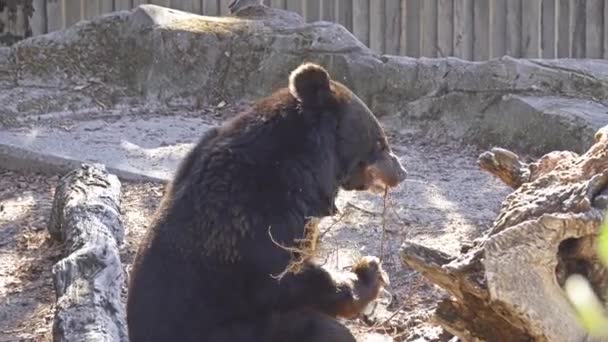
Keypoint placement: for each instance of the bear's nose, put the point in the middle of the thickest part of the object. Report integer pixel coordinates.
(389, 169)
(400, 170)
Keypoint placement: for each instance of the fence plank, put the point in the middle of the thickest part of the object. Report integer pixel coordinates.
(312, 10)
(344, 10)
(403, 33)
(413, 29)
(106, 6)
(182, 5)
(594, 27)
(15, 25)
(428, 46)
(531, 28)
(548, 29)
(445, 26)
(328, 10)
(192, 6)
(605, 31)
(4, 19)
(577, 19)
(377, 26)
(120, 5)
(38, 20)
(564, 32)
(392, 13)
(281, 4)
(463, 29)
(136, 2)
(513, 39)
(90, 8)
(54, 15)
(211, 8)
(224, 9)
(163, 3)
(197, 6)
(481, 27)
(72, 11)
(498, 28)
(294, 6)
(361, 20)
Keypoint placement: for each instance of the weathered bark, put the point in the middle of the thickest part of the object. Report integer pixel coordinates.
(86, 217)
(508, 286)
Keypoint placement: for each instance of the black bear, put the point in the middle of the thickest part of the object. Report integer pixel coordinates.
(206, 271)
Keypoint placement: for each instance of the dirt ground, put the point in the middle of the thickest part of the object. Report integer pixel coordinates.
(445, 202)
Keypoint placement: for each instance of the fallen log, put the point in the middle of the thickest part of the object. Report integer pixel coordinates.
(509, 285)
(88, 280)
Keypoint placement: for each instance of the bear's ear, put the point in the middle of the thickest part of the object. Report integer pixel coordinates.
(309, 83)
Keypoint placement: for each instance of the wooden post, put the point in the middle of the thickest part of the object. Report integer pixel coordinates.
(429, 28)
(106, 6)
(413, 30)
(312, 10)
(344, 13)
(498, 28)
(463, 29)
(605, 31)
(564, 32)
(38, 21)
(531, 28)
(481, 27)
(120, 5)
(17, 26)
(295, 6)
(181, 5)
(445, 28)
(54, 15)
(594, 26)
(328, 10)
(392, 32)
(280, 4)
(577, 18)
(224, 10)
(513, 38)
(361, 10)
(377, 26)
(211, 8)
(549, 29)
(139, 2)
(197, 6)
(163, 3)
(73, 11)
(403, 28)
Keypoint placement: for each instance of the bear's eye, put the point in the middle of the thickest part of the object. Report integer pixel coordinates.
(379, 145)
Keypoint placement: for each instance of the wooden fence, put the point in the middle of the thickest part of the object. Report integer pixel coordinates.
(469, 29)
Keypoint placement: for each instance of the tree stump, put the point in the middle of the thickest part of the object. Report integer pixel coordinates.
(509, 285)
(88, 281)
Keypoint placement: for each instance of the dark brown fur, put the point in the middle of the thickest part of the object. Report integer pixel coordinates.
(204, 272)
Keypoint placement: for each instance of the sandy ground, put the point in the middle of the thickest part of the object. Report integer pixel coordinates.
(445, 202)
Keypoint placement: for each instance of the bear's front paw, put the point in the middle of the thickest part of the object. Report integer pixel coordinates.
(369, 271)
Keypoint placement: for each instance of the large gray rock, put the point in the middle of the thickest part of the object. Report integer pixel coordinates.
(561, 123)
(157, 56)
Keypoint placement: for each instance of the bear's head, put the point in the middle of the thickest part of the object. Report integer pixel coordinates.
(366, 159)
